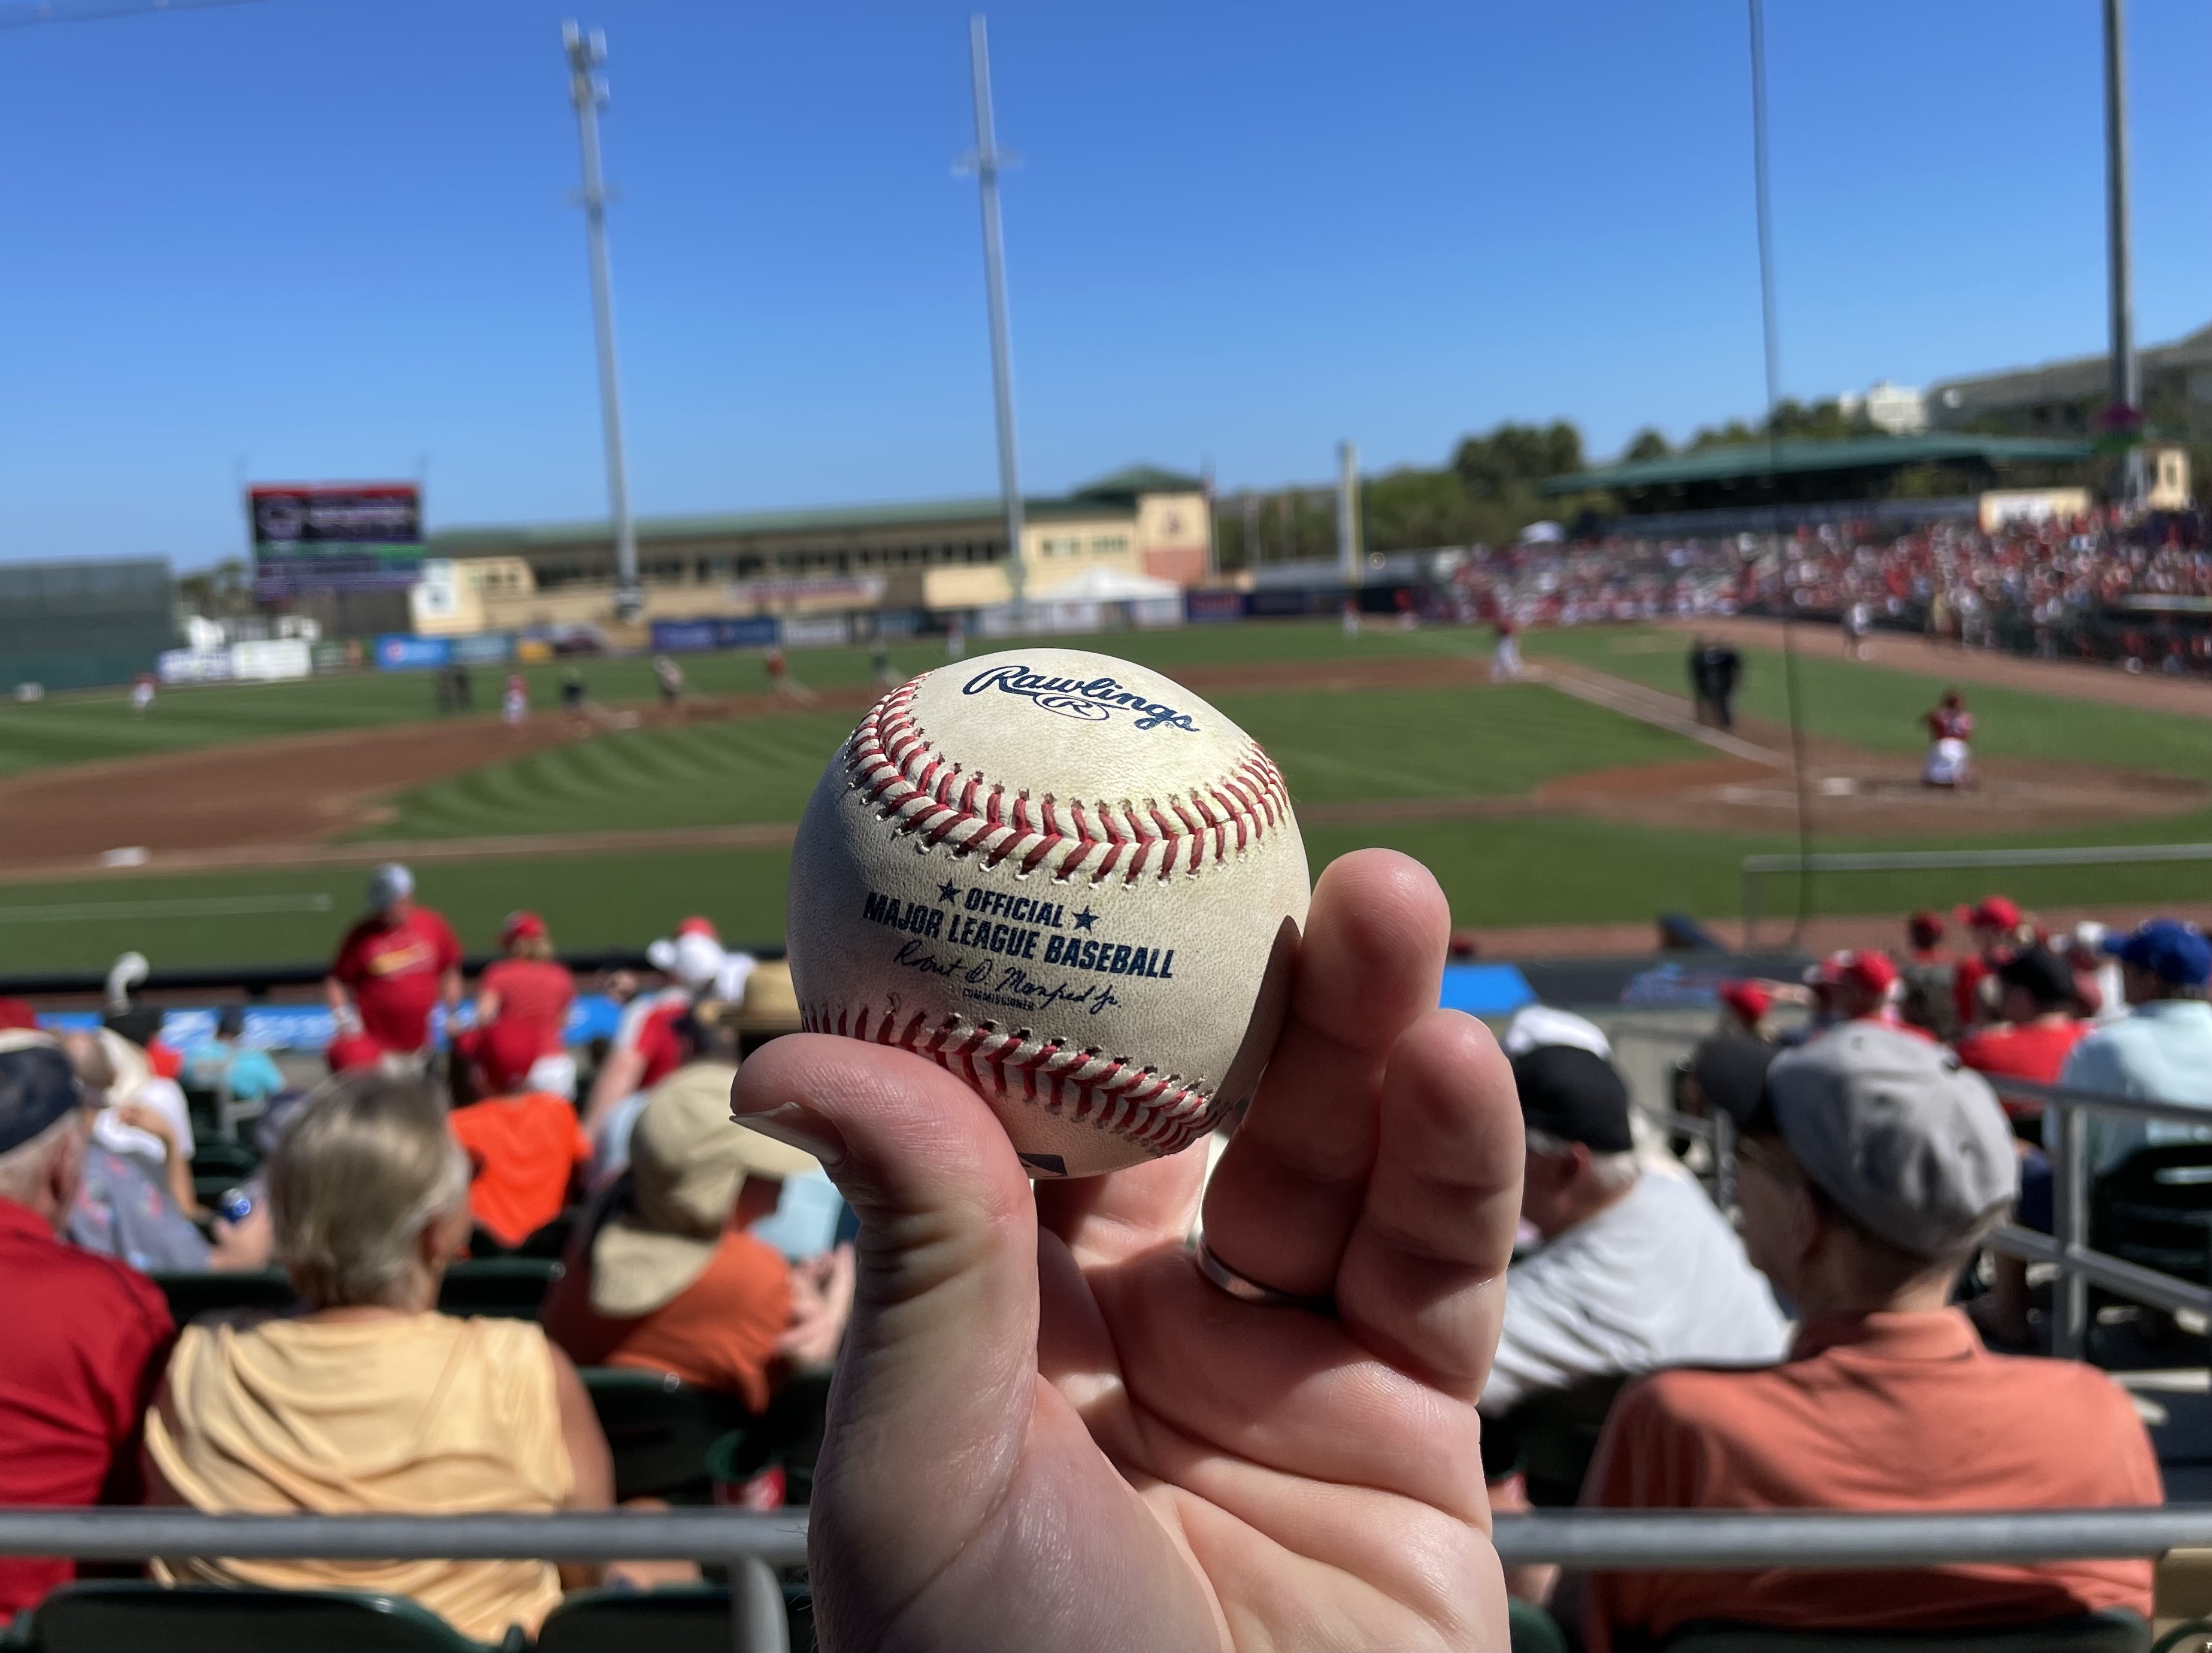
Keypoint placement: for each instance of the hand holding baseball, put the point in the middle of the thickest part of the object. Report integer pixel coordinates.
(1050, 1429)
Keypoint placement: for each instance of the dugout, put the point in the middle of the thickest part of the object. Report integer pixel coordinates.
(72, 625)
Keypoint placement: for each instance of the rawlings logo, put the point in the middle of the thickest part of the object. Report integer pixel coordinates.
(1092, 701)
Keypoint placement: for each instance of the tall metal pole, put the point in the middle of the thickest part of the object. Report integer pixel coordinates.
(1771, 326)
(1347, 512)
(987, 161)
(588, 90)
(2126, 371)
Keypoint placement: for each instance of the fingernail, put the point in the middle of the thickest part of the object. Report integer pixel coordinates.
(797, 1127)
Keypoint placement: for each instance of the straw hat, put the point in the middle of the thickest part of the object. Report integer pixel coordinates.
(687, 1161)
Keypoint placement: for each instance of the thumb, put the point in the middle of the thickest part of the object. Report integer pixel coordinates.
(939, 1365)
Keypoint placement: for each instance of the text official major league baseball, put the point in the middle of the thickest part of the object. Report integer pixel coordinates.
(1068, 880)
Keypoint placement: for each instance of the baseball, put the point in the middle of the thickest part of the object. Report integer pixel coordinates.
(1066, 880)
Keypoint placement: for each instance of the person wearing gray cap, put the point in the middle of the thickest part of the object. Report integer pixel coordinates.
(395, 966)
(1871, 1165)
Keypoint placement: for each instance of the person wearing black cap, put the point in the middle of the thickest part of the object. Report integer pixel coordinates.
(1636, 1270)
(1870, 1166)
(86, 1335)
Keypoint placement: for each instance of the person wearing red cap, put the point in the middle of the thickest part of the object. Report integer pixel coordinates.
(1996, 923)
(530, 988)
(1744, 1007)
(523, 1145)
(1856, 987)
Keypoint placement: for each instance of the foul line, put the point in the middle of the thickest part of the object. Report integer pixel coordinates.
(1648, 706)
(183, 907)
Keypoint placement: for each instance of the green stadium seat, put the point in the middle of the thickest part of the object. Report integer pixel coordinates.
(660, 1431)
(693, 1618)
(512, 1287)
(192, 1295)
(133, 1617)
(1550, 1438)
(2155, 1209)
(2114, 1631)
(1529, 1629)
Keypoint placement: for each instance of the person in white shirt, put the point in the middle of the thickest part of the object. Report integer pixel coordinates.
(1638, 1269)
(2162, 1049)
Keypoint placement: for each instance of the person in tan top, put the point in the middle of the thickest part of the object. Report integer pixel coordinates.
(367, 1400)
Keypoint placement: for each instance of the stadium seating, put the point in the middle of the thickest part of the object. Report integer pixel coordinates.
(787, 1436)
(131, 1617)
(2155, 1209)
(694, 1619)
(2116, 1631)
(660, 1431)
(1529, 1629)
(1550, 1438)
(508, 1286)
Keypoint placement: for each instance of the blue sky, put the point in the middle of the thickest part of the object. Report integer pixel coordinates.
(331, 238)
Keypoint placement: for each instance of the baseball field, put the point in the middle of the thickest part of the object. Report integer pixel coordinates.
(247, 816)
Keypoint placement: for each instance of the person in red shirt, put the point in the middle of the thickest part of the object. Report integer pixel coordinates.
(2039, 1030)
(87, 1336)
(523, 1145)
(1856, 987)
(530, 988)
(1871, 1166)
(395, 967)
(1996, 927)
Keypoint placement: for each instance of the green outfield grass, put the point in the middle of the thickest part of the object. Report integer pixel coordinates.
(1879, 707)
(1332, 748)
(1337, 749)
(74, 727)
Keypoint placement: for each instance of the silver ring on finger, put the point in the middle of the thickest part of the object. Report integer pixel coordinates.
(1245, 1289)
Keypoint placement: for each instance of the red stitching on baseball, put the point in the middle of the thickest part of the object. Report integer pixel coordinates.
(918, 790)
(1086, 1086)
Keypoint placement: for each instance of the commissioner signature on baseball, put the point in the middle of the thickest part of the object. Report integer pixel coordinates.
(1013, 985)
(1088, 700)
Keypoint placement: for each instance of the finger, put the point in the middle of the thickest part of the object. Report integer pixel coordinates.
(1292, 1183)
(1423, 1283)
(940, 1362)
(1104, 1219)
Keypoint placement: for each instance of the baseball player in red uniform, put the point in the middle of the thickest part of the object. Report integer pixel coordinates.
(1950, 761)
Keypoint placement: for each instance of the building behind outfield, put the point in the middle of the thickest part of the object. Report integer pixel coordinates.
(69, 625)
(936, 555)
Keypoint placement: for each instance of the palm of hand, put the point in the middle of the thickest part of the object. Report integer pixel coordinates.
(1049, 1431)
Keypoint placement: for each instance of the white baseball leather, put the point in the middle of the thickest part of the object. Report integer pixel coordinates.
(1065, 878)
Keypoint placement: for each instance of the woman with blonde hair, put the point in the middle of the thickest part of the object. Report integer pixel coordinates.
(366, 1400)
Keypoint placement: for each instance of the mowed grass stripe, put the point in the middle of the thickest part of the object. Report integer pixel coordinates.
(1335, 747)
(1879, 707)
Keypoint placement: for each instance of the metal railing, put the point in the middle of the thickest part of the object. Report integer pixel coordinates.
(2067, 1246)
(1672, 1539)
(1756, 867)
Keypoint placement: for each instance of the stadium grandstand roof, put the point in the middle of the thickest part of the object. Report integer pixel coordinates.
(1108, 495)
(1745, 461)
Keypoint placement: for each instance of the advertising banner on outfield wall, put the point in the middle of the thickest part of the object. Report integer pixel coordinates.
(401, 651)
(482, 648)
(274, 660)
(193, 666)
(703, 636)
(335, 537)
(817, 631)
(1204, 608)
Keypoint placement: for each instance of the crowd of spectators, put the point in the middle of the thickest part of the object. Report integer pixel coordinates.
(2090, 587)
(1819, 1332)
(678, 1253)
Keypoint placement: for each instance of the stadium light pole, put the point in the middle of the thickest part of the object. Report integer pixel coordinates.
(986, 162)
(588, 90)
(2126, 369)
(1771, 328)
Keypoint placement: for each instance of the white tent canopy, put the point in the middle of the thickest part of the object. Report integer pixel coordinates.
(1107, 585)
